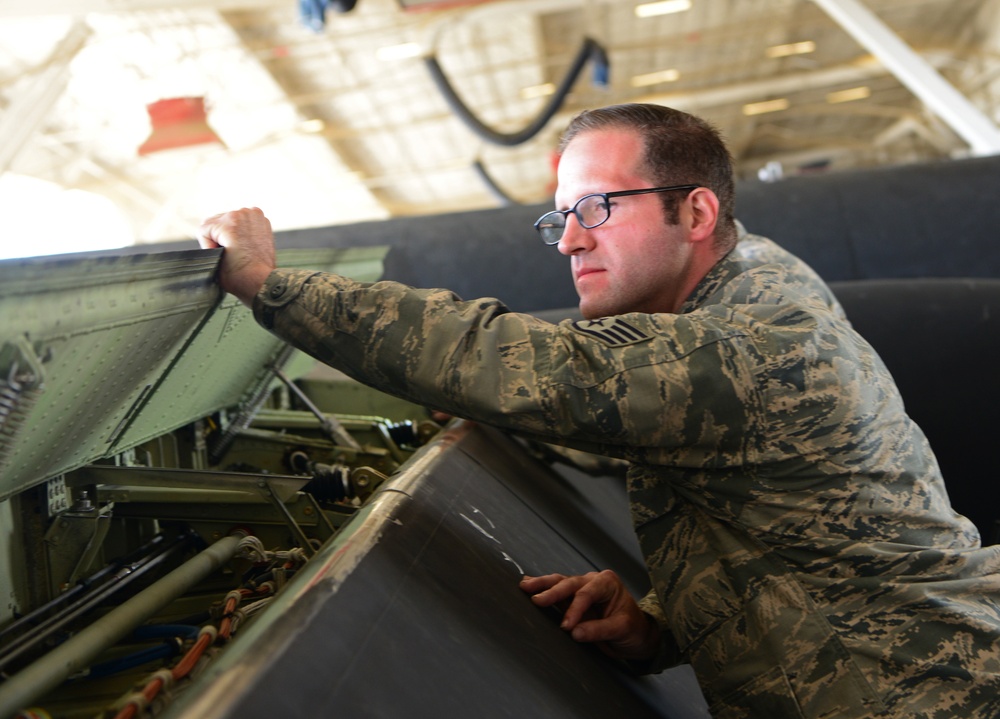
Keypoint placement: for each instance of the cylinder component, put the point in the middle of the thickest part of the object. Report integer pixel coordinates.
(78, 652)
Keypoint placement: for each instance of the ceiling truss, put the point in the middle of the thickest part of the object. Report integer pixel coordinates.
(318, 128)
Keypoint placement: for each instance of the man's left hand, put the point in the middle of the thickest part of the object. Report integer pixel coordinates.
(600, 610)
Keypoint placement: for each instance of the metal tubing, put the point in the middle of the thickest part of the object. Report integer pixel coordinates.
(35, 617)
(330, 425)
(123, 576)
(300, 535)
(967, 120)
(50, 671)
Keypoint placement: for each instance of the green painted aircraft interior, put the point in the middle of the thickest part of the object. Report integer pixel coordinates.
(99, 354)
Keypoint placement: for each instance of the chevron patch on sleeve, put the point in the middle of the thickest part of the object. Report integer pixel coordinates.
(611, 331)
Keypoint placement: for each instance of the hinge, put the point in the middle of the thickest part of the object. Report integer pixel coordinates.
(22, 381)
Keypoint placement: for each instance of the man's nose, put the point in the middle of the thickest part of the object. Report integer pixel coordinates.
(575, 238)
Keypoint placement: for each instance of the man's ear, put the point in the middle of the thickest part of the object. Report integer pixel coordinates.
(704, 214)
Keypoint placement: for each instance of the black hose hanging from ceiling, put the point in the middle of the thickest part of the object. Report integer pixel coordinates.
(502, 197)
(590, 50)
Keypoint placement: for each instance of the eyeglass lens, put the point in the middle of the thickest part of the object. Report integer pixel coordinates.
(590, 211)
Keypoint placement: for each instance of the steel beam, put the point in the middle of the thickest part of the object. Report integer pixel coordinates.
(967, 120)
(714, 96)
(28, 110)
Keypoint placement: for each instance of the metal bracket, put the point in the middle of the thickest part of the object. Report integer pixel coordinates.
(366, 480)
(74, 540)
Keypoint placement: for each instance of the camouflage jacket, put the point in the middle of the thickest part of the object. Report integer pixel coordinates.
(801, 546)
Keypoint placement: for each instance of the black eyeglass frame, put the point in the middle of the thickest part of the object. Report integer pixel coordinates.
(607, 196)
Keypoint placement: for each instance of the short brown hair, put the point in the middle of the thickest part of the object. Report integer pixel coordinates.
(680, 149)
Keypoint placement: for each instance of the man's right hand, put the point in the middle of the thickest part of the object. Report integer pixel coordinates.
(600, 610)
(249, 250)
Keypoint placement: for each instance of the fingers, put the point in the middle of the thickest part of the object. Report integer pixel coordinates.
(207, 231)
(599, 609)
(578, 593)
(250, 255)
(248, 224)
(593, 591)
(555, 590)
(539, 585)
(610, 628)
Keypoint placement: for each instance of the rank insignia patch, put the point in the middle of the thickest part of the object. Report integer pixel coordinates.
(611, 331)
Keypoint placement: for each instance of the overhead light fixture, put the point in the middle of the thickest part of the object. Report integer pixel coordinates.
(666, 7)
(793, 48)
(402, 51)
(530, 93)
(315, 125)
(655, 78)
(760, 108)
(855, 93)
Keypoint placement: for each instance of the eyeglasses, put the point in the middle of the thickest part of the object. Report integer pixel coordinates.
(591, 211)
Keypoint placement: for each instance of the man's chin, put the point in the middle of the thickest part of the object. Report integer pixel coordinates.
(593, 311)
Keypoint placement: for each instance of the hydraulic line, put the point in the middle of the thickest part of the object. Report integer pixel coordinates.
(32, 619)
(164, 650)
(36, 631)
(135, 703)
(79, 651)
(138, 701)
(174, 633)
(167, 677)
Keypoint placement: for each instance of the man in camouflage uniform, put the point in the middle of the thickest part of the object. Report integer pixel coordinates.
(802, 550)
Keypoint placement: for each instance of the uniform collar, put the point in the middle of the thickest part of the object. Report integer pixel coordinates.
(714, 280)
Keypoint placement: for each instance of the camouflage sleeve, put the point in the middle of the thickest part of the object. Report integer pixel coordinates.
(601, 386)
(595, 465)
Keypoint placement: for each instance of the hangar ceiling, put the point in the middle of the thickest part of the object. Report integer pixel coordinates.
(343, 123)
